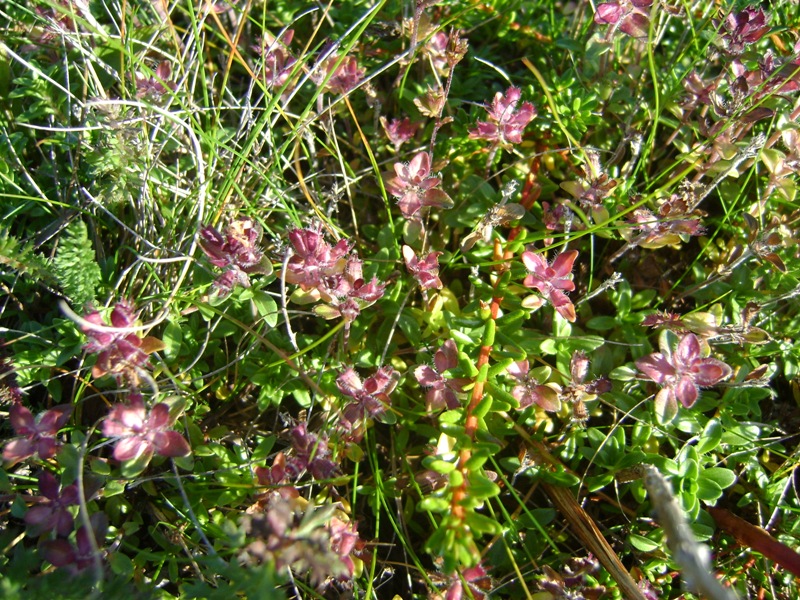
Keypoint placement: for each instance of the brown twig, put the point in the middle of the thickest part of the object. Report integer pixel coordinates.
(757, 539)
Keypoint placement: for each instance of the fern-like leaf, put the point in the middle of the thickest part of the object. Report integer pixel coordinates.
(21, 258)
(75, 265)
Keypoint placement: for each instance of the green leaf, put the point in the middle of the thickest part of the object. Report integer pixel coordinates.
(434, 505)
(266, 307)
(711, 436)
(642, 543)
(623, 374)
(708, 490)
(560, 478)
(438, 465)
(721, 476)
(481, 524)
(481, 487)
(113, 488)
(601, 323)
(75, 265)
(263, 448)
(121, 564)
(132, 468)
(172, 338)
(484, 406)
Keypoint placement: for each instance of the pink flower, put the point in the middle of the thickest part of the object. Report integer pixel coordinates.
(236, 251)
(681, 373)
(346, 77)
(314, 259)
(441, 391)
(140, 434)
(631, 17)
(742, 29)
(38, 436)
(311, 453)
(530, 391)
(552, 280)
(371, 396)
(414, 185)
(577, 390)
(399, 132)
(425, 271)
(432, 102)
(61, 553)
(155, 87)
(344, 543)
(120, 353)
(506, 123)
(278, 61)
(51, 513)
(477, 579)
(673, 221)
(347, 294)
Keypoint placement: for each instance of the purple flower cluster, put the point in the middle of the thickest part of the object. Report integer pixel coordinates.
(120, 352)
(681, 373)
(51, 513)
(530, 391)
(741, 29)
(370, 397)
(344, 78)
(331, 274)
(415, 187)
(425, 271)
(158, 85)
(631, 17)
(399, 131)
(36, 436)
(506, 122)
(140, 433)
(441, 391)
(310, 453)
(279, 535)
(552, 280)
(673, 221)
(80, 555)
(237, 252)
(279, 62)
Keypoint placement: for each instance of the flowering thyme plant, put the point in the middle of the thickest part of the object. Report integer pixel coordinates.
(37, 436)
(441, 391)
(506, 122)
(681, 373)
(397, 411)
(552, 280)
(415, 187)
(121, 353)
(237, 252)
(139, 433)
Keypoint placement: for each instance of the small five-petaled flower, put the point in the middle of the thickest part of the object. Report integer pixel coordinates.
(441, 390)
(552, 280)
(681, 373)
(506, 122)
(415, 187)
(140, 433)
(37, 436)
(371, 396)
(121, 353)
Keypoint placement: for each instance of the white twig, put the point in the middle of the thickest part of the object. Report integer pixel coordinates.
(692, 557)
